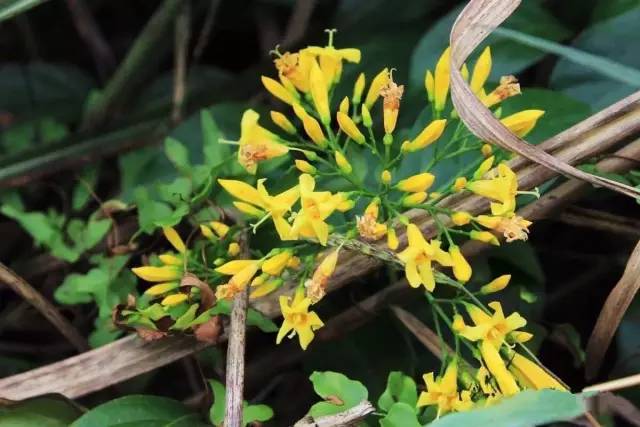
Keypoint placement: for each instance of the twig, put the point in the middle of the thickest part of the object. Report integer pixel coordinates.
(92, 36)
(205, 33)
(602, 221)
(31, 295)
(619, 384)
(342, 419)
(182, 35)
(145, 51)
(235, 354)
(425, 335)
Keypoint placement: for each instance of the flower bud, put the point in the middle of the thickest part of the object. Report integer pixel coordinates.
(428, 136)
(283, 122)
(461, 218)
(484, 236)
(459, 184)
(414, 199)
(484, 167)
(416, 183)
(458, 323)
(248, 209)
(313, 129)
(378, 82)
(392, 239)
(366, 116)
(305, 167)
(486, 150)
(274, 265)
(279, 91)
(349, 127)
(358, 88)
(234, 249)
(343, 163)
(344, 106)
(496, 285)
(461, 268)
(219, 228)
(385, 177)
(429, 85)
(206, 232)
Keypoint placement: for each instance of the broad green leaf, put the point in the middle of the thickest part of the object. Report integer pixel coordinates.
(340, 393)
(133, 409)
(37, 224)
(252, 413)
(599, 64)
(177, 154)
(524, 409)
(400, 388)
(150, 211)
(44, 411)
(216, 412)
(616, 39)
(509, 57)
(400, 415)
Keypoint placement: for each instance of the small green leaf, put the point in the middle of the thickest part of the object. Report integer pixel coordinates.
(252, 413)
(186, 319)
(400, 415)
(340, 393)
(216, 412)
(400, 388)
(255, 318)
(214, 152)
(150, 211)
(177, 154)
(82, 190)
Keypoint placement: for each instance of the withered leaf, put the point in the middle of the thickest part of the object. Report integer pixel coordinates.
(210, 331)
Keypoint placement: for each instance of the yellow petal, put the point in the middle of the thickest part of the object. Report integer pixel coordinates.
(158, 274)
(174, 299)
(416, 183)
(496, 366)
(248, 209)
(496, 285)
(523, 122)
(279, 91)
(428, 136)
(276, 263)
(161, 288)
(441, 81)
(534, 374)
(378, 82)
(283, 122)
(241, 190)
(349, 127)
(481, 71)
(235, 266)
(174, 238)
(170, 259)
(319, 93)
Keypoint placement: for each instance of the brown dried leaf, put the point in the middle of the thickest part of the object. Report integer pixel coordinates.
(149, 334)
(210, 331)
(207, 297)
(612, 312)
(473, 25)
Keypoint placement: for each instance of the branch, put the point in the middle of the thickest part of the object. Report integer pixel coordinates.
(342, 419)
(181, 45)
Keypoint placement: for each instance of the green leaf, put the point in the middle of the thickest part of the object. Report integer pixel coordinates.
(606, 9)
(135, 410)
(616, 39)
(177, 154)
(192, 420)
(216, 412)
(401, 415)
(509, 57)
(82, 190)
(185, 320)
(599, 64)
(252, 413)
(400, 388)
(150, 211)
(43, 411)
(214, 152)
(31, 134)
(338, 388)
(525, 409)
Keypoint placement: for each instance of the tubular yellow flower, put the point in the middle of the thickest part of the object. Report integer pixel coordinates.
(206, 232)
(171, 259)
(523, 122)
(513, 227)
(317, 285)
(496, 285)
(249, 209)
(295, 67)
(496, 366)
(314, 131)
(461, 218)
(173, 300)
(349, 127)
(241, 278)
(414, 199)
(459, 184)
(419, 255)
(502, 188)
(429, 135)
(392, 239)
(230, 268)
(368, 226)
(417, 183)
(484, 236)
(458, 323)
(233, 249)
(484, 167)
(165, 273)
(173, 237)
(481, 71)
(441, 81)
(276, 263)
(366, 117)
(331, 59)
(279, 91)
(298, 318)
(219, 228)
(266, 288)
(358, 88)
(161, 288)
(378, 82)
(508, 87)
(343, 163)
(305, 167)
(320, 93)
(385, 177)
(530, 375)
(344, 105)
(461, 268)
(257, 143)
(486, 150)
(282, 122)
(492, 329)
(429, 85)
(444, 392)
(391, 94)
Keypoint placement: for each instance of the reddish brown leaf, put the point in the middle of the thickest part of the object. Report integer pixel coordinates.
(210, 331)
(207, 297)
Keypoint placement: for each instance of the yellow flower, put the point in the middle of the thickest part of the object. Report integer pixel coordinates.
(331, 59)
(498, 369)
(219, 228)
(461, 268)
(502, 187)
(171, 259)
(249, 209)
(492, 329)
(508, 87)
(391, 94)
(295, 67)
(173, 237)
(385, 177)
(165, 273)
(277, 263)
(513, 227)
(206, 232)
(392, 239)
(428, 136)
(349, 127)
(233, 249)
(317, 285)
(344, 105)
(441, 81)
(484, 236)
(378, 82)
(419, 255)
(459, 184)
(486, 150)
(429, 85)
(444, 392)
(358, 88)
(416, 183)
(531, 375)
(241, 271)
(313, 130)
(275, 206)
(481, 71)
(257, 143)
(523, 122)
(316, 207)
(343, 163)
(282, 122)
(266, 288)
(368, 226)
(414, 199)
(320, 93)
(279, 91)
(298, 318)
(305, 167)
(461, 218)
(173, 300)
(496, 285)
(161, 288)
